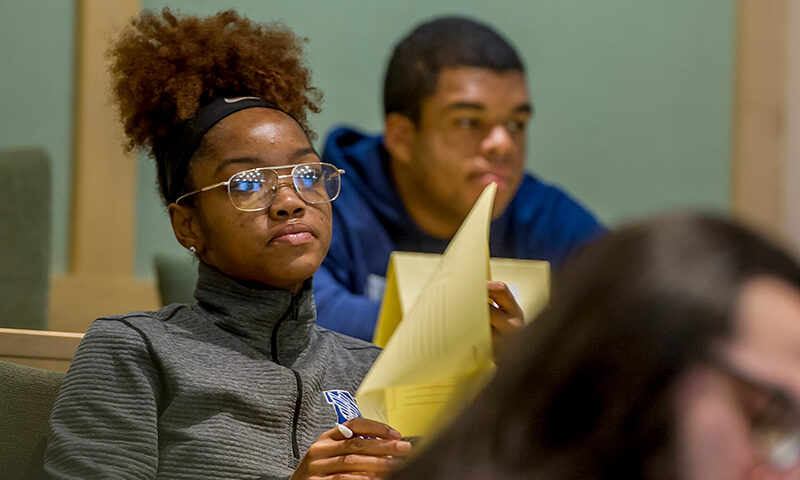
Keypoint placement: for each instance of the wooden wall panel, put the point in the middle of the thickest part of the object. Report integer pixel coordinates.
(760, 118)
(100, 278)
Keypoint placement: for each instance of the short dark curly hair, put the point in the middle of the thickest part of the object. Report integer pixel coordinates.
(444, 42)
(164, 67)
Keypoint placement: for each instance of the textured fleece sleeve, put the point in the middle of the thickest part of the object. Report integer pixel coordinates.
(342, 311)
(104, 423)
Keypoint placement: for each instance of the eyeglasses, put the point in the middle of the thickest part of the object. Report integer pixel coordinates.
(255, 189)
(774, 417)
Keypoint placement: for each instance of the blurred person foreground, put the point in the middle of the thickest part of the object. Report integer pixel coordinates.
(669, 350)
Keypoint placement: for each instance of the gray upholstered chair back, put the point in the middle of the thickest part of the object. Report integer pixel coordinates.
(24, 238)
(176, 277)
(26, 398)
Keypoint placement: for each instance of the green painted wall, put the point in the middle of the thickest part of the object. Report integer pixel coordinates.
(633, 97)
(36, 86)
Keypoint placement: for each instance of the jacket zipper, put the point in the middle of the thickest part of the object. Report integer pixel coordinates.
(299, 399)
(274, 338)
(297, 403)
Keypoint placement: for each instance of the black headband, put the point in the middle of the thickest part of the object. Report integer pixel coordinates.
(175, 149)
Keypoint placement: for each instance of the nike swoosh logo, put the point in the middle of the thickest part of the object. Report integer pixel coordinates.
(239, 99)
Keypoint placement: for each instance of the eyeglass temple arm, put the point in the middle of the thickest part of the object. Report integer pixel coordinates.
(204, 189)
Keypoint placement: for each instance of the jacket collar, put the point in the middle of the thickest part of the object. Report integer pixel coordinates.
(274, 321)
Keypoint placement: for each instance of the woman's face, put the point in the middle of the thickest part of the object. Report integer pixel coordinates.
(280, 246)
(733, 413)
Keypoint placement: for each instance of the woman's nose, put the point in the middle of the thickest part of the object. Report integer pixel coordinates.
(287, 202)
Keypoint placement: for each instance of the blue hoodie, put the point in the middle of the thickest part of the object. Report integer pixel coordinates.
(369, 222)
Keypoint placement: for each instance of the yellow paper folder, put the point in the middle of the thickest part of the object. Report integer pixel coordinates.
(528, 280)
(434, 326)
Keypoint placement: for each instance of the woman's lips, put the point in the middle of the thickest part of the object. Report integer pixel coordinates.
(294, 238)
(293, 234)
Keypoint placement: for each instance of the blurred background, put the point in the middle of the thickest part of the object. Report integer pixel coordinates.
(641, 106)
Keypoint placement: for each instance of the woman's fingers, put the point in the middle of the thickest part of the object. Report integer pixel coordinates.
(363, 427)
(369, 437)
(346, 432)
(358, 449)
(347, 476)
(354, 462)
(360, 445)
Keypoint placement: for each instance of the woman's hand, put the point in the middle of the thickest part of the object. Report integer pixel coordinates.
(505, 315)
(371, 452)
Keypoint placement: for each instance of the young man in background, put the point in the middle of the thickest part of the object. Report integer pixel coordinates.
(456, 110)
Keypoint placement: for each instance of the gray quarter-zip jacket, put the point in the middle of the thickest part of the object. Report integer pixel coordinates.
(232, 387)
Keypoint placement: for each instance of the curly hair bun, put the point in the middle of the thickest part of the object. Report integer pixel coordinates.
(164, 67)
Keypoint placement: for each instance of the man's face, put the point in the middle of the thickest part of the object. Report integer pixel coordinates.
(471, 132)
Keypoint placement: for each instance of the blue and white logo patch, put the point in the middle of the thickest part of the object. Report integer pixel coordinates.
(343, 403)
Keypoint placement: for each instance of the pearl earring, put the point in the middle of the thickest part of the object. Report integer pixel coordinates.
(193, 249)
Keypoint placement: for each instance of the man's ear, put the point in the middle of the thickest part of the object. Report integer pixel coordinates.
(398, 137)
(185, 225)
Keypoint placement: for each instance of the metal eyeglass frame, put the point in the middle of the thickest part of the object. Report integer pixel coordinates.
(227, 183)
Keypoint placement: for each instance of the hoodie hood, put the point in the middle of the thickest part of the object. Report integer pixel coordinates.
(367, 173)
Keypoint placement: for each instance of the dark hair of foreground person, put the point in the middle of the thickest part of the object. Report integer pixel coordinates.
(596, 387)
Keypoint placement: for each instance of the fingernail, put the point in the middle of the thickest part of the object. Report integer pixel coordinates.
(404, 446)
(394, 432)
(346, 432)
